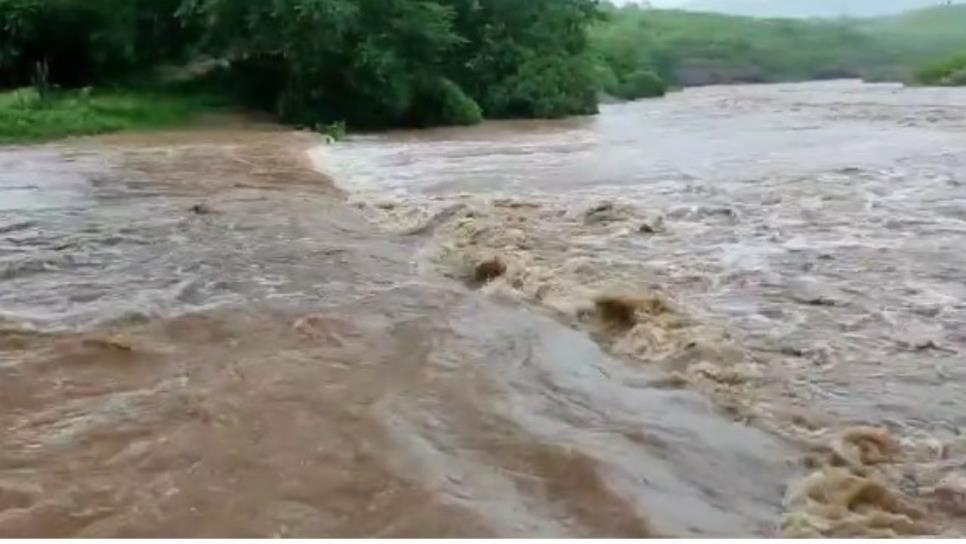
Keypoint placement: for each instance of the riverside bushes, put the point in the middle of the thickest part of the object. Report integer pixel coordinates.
(949, 72)
(387, 63)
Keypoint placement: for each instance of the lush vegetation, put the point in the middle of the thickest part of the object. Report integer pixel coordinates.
(67, 67)
(29, 115)
(951, 71)
(928, 40)
(83, 41)
(371, 63)
(382, 63)
(684, 48)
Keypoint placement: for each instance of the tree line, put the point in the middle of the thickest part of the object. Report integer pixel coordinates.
(384, 63)
(685, 48)
(373, 63)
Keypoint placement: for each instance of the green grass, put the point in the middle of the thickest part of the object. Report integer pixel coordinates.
(25, 117)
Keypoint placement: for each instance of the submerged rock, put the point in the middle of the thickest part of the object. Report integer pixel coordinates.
(950, 493)
(622, 310)
(202, 209)
(652, 225)
(489, 270)
(603, 212)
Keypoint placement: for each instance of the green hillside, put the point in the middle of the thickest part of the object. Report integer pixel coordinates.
(809, 8)
(924, 35)
(687, 48)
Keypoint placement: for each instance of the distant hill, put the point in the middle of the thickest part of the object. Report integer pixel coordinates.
(811, 8)
(922, 36)
(935, 22)
(686, 48)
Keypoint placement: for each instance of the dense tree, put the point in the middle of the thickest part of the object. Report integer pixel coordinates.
(82, 41)
(316, 61)
(526, 58)
(386, 62)
(381, 63)
(370, 62)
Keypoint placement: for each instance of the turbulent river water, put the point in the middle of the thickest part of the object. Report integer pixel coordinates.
(736, 311)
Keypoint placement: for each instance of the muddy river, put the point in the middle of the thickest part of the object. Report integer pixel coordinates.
(736, 311)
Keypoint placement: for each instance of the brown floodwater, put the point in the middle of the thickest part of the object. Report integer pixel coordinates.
(737, 311)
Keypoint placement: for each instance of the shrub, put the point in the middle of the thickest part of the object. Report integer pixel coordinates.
(950, 71)
(641, 84)
(546, 87)
(439, 101)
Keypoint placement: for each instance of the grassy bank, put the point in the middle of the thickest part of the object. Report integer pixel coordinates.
(27, 116)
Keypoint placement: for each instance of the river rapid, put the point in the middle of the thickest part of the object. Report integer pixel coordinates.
(736, 311)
